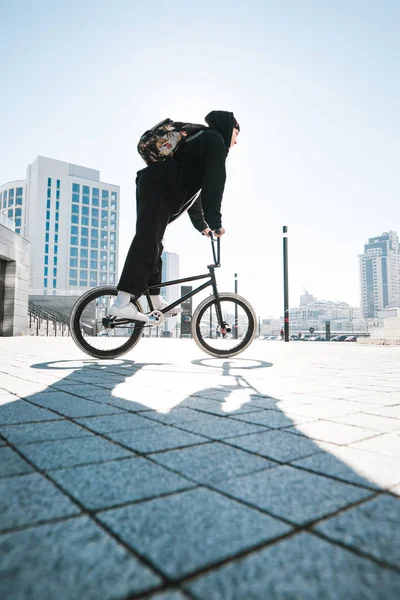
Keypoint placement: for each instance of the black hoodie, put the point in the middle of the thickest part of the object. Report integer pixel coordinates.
(199, 164)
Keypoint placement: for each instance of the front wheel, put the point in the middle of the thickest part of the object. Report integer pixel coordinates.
(95, 331)
(233, 335)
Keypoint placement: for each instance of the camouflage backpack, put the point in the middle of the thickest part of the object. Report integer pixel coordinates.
(163, 140)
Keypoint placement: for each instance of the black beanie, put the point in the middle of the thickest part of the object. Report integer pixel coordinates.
(224, 122)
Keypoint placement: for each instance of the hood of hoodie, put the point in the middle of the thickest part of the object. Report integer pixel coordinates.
(223, 122)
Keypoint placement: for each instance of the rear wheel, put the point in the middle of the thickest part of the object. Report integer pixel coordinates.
(230, 337)
(96, 332)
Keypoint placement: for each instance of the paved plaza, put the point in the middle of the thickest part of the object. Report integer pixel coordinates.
(171, 475)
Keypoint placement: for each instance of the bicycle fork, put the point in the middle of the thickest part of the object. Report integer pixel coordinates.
(216, 296)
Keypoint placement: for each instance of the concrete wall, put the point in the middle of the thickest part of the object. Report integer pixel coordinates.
(15, 262)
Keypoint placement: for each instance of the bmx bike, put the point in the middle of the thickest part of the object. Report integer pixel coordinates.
(223, 325)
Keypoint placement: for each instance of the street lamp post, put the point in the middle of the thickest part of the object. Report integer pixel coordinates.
(236, 310)
(259, 328)
(285, 284)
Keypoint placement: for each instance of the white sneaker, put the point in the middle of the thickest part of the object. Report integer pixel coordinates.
(129, 312)
(160, 305)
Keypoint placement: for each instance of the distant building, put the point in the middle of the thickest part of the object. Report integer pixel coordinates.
(315, 313)
(170, 271)
(380, 274)
(71, 219)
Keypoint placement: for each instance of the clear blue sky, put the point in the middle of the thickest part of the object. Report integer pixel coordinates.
(313, 83)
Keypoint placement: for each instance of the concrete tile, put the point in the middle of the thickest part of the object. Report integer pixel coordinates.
(74, 451)
(387, 443)
(20, 411)
(322, 410)
(176, 415)
(154, 439)
(31, 499)
(219, 428)
(71, 406)
(41, 432)
(302, 566)
(201, 524)
(292, 494)
(212, 462)
(382, 397)
(222, 409)
(273, 419)
(276, 445)
(369, 421)
(373, 528)
(119, 422)
(108, 484)
(75, 558)
(172, 595)
(12, 464)
(335, 433)
(386, 411)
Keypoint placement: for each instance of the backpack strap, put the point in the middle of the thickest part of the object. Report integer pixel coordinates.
(192, 137)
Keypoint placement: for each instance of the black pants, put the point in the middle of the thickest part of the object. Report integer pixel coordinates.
(143, 264)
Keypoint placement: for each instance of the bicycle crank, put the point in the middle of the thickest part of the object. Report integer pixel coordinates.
(156, 318)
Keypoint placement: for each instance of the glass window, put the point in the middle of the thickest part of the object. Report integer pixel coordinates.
(56, 227)
(17, 230)
(74, 240)
(54, 283)
(112, 226)
(104, 194)
(104, 203)
(113, 206)
(73, 273)
(48, 204)
(85, 221)
(93, 264)
(93, 254)
(84, 242)
(95, 212)
(19, 191)
(47, 226)
(83, 274)
(18, 222)
(111, 267)
(111, 278)
(84, 253)
(74, 251)
(113, 216)
(84, 232)
(104, 214)
(104, 224)
(85, 210)
(56, 238)
(11, 201)
(57, 205)
(103, 266)
(74, 230)
(74, 219)
(58, 184)
(5, 195)
(75, 209)
(85, 199)
(76, 187)
(49, 181)
(95, 201)
(55, 260)
(85, 189)
(84, 263)
(55, 249)
(48, 215)
(104, 246)
(57, 216)
(104, 256)
(10, 194)
(94, 233)
(48, 192)
(93, 275)
(75, 198)
(95, 192)
(46, 271)
(18, 201)
(73, 262)
(18, 212)
(104, 235)
(94, 243)
(57, 194)
(55, 272)
(112, 246)
(46, 260)
(47, 237)
(112, 257)
(45, 283)
(113, 195)
(95, 222)
(103, 277)
(73, 282)
(112, 237)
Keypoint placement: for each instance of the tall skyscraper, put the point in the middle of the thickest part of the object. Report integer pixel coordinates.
(380, 274)
(71, 219)
(170, 271)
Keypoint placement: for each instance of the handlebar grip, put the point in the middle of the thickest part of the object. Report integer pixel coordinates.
(217, 231)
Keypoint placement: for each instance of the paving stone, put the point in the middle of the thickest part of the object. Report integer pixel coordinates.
(369, 421)
(219, 428)
(12, 464)
(173, 595)
(72, 559)
(31, 499)
(273, 419)
(321, 410)
(154, 439)
(118, 422)
(74, 451)
(276, 445)
(302, 566)
(353, 465)
(387, 411)
(205, 528)
(71, 406)
(222, 409)
(118, 482)
(293, 494)
(373, 528)
(177, 415)
(40, 432)
(20, 411)
(388, 444)
(212, 462)
(335, 433)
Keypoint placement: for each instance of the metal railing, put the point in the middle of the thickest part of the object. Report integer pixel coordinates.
(38, 315)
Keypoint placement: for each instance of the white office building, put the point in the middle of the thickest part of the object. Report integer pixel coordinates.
(170, 271)
(71, 219)
(380, 274)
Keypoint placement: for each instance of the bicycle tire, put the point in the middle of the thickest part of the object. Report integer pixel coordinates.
(247, 338)
(76, 330)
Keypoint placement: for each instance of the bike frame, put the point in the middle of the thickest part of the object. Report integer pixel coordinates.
(211, 281)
